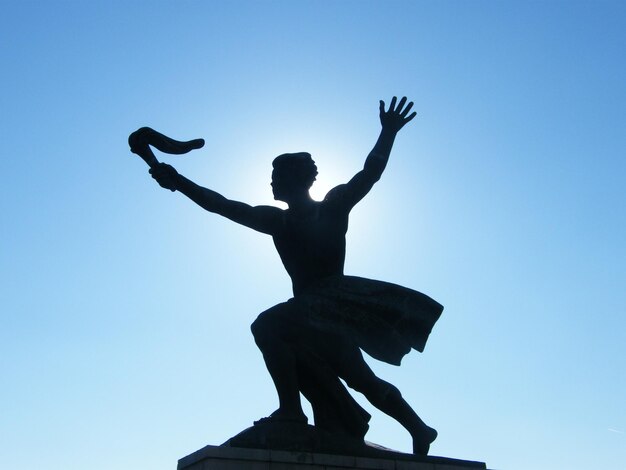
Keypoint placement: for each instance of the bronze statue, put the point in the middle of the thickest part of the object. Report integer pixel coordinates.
(316, 337)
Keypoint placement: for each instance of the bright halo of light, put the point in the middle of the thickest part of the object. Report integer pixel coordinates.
(335, 163)
(324, 182)
(332, 171)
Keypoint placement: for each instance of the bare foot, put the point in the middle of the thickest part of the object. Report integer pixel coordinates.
(284, 417)
(423, 440)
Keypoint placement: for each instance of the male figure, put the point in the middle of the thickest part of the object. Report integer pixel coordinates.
(331, 316)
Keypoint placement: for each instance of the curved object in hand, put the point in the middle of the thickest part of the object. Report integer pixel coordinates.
(142, 138)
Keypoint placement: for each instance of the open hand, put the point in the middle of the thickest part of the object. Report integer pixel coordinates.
(166, 175)
(395, 118)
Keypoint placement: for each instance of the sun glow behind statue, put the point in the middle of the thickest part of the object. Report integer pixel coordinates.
(330, 173)
(252, 183)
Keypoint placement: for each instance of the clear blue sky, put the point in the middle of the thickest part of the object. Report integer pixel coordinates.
(125, 309)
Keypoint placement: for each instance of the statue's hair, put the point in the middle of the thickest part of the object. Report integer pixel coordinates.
(299, 166)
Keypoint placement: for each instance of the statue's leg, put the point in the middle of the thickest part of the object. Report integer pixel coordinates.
(384, 396)
(334, 409)
(272, 332)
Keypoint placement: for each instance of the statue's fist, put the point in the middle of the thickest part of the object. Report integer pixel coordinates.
(166, 175)
(139, 139)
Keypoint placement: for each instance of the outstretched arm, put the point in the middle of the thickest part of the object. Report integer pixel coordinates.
(265, 219)
(392, 121)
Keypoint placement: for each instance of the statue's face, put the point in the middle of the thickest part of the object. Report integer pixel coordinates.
(283, 185)
(279, 186)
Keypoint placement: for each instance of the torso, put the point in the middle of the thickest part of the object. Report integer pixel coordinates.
(312, 244)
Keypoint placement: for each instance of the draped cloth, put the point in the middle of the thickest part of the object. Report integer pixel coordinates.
(385, 320)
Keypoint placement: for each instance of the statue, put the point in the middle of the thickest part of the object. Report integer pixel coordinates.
(315, 338)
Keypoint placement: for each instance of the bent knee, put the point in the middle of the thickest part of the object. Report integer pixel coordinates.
(269, 323)
(259, 329)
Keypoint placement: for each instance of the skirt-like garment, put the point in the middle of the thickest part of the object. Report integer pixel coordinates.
(385, 320)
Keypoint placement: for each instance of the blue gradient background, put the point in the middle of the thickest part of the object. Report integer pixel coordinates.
(124, 339)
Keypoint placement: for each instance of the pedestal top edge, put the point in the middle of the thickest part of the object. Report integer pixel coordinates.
(286, 456)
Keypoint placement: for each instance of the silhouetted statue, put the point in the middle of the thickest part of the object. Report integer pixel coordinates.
(316, 337)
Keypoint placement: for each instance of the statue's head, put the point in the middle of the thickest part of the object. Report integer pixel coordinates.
(293, 173)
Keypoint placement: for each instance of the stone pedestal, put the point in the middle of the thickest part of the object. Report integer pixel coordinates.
(234, 458)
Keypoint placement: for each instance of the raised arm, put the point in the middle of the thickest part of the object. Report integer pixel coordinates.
(391, 121)
(265, 219)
